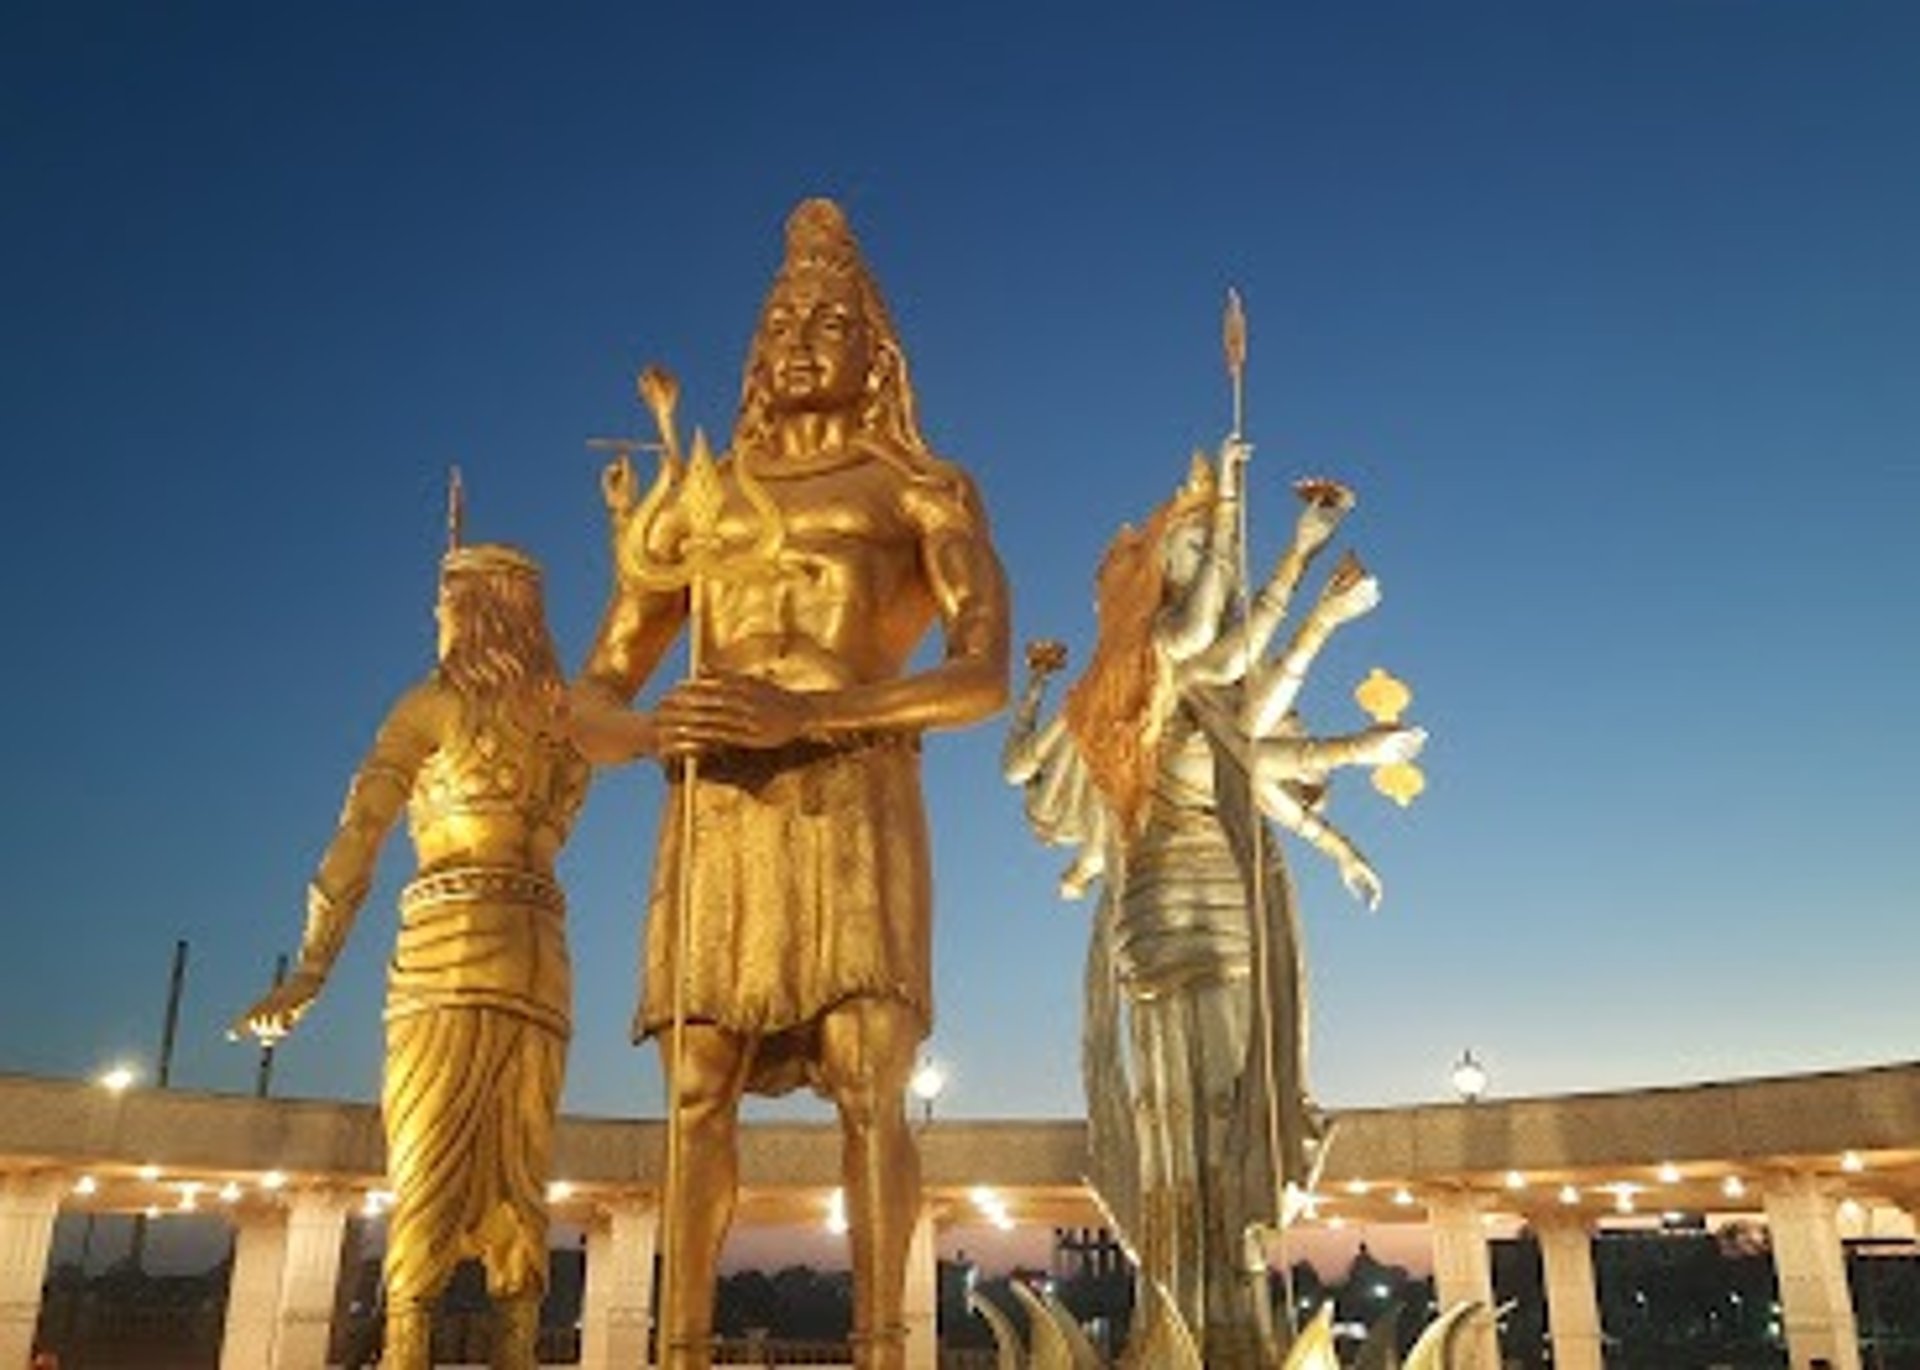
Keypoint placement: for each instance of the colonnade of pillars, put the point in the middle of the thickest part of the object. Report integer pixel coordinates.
(287, 1263)
(286, 1270)
(1816, 1307)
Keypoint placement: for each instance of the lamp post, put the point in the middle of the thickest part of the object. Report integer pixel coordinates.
(928, 1082)
(116, 1079)
(1469, 1078)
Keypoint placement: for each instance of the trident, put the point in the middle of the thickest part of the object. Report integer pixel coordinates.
(689, 488)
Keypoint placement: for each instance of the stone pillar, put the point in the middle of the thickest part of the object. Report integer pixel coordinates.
(28, 1206)
(309, 1275)
(922, 1303)
(253, 1288)
(1573, 1298)
(1816, 1307)
(617, 1309)
(1463, 1272)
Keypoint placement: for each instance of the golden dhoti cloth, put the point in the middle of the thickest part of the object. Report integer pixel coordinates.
(810, 887)
(477, 1024)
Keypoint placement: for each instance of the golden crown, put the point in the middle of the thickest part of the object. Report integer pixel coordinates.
(1198, 494)
(488, 558)
(820, 239)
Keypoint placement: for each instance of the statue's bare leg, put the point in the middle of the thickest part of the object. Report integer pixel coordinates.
(423, 1230)
(515, 1257)
(516, 1332)
(409, 1336)
(415, 1277)
(700, 1209)
(867, 1049)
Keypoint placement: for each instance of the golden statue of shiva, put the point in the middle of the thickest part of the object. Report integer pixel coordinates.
(797, 859)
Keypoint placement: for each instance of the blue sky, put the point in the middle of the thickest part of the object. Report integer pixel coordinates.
(1608, 311)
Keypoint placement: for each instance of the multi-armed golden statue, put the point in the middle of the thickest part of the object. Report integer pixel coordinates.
(479, 997)
(1181, 734)
(789, 937)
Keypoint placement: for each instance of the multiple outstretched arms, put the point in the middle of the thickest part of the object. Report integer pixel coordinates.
(1235, 651)
(1064, 806)
(1211, 651)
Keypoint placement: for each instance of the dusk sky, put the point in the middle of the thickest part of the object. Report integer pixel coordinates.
(1610, 312)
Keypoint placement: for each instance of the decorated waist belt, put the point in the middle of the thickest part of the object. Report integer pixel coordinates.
(483, 937)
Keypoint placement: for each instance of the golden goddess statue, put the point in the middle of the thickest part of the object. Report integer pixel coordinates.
(1180, 727)
(804, 866)
(479, 996)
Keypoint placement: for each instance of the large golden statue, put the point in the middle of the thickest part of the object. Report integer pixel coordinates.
(795, 857)
(479, 996)
(1181, 732)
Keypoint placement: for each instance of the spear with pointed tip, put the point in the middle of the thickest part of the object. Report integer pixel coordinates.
(1233, 339)
(1233, 344)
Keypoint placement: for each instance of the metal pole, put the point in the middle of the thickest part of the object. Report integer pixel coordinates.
(169, 1030)
(263, 1080)
(172, 1025)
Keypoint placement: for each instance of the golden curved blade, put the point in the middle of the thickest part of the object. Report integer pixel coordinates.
(1312, 1349)
(1009, 1354)
(1057, 1341)
(1435, 1349)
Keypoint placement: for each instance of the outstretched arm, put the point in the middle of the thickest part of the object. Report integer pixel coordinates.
(1280, 804)
(1230, 658)
(375, 797)
(1021, 755)
(1349, 593)
(636, 632)
(1289, 756)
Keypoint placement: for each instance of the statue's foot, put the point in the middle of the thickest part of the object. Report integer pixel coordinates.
(409, 1341)
(516, 1333)
(885, 1349)
(1237, 1347)
(688, 1353)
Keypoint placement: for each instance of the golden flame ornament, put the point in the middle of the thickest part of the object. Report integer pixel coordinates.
(1385, 698)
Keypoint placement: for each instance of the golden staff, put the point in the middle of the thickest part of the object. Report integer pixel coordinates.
(692, 488)
(1233, 343)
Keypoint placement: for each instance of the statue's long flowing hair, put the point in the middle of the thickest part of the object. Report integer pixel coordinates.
(501, 656)
(1119, 706)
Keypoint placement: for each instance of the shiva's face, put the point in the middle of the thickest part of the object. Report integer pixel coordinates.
(817, 347)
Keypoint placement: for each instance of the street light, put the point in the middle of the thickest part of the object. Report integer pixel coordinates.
(118, 1079)
(928, 1082)
(1469, 1078)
